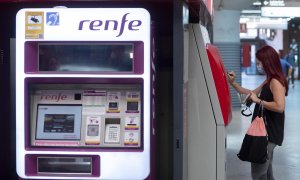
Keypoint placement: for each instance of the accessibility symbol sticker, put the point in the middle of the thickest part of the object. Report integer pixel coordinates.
(52, 18)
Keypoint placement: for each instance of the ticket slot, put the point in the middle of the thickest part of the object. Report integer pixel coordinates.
(64, 165)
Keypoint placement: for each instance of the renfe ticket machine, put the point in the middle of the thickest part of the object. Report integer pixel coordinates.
(84, 94)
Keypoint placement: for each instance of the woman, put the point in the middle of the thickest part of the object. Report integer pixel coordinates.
(271, 93)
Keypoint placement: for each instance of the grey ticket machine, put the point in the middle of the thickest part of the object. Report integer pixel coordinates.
(209, 108)
(84, 94)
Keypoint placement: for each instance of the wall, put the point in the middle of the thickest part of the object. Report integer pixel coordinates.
(226, 26)
(277, 42)
(226, 36)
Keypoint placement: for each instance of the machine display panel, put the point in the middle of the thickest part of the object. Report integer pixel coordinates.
(132, 106)
(58, 122)
(97, 57)
(86, 115)
(113, 105)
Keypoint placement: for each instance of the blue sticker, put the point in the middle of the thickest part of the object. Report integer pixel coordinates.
(52, 18)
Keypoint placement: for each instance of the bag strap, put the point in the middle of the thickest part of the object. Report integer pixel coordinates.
(261, 109)
(243, 111)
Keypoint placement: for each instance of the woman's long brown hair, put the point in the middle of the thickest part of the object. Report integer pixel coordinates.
(270, 60)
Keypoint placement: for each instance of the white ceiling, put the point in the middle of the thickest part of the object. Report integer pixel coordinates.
(253, 19)
(232, 4)
(246, 4)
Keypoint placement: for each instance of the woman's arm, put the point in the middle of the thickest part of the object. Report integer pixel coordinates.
(239, 88)
(278, 103)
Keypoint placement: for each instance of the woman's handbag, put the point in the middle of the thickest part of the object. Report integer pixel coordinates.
(255, 144)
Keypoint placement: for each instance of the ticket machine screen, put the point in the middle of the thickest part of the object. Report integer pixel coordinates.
(85, 57)
(58, 122)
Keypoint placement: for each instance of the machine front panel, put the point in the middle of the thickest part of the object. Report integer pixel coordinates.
(79, 113)
(105, 116)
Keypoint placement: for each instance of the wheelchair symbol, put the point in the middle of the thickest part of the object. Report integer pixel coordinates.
(52, 18)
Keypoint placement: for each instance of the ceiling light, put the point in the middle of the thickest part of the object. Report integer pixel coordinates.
(280, 11)
(277, 3)
(250, 11)
(266, 23)
(257, 3)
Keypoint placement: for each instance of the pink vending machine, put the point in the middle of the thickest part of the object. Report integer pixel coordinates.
(84, 94)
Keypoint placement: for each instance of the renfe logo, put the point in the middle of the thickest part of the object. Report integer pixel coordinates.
(96, 25)
(54, 97)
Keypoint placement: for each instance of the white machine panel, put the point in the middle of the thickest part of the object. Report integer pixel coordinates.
(94, 120)
(206, 156)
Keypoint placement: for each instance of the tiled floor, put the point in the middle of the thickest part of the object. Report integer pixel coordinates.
(286, 164)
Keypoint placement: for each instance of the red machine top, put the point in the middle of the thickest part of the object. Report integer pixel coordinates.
(220, 79)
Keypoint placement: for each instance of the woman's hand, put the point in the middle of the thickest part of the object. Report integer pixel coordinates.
(254, 98)
(231, 76)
